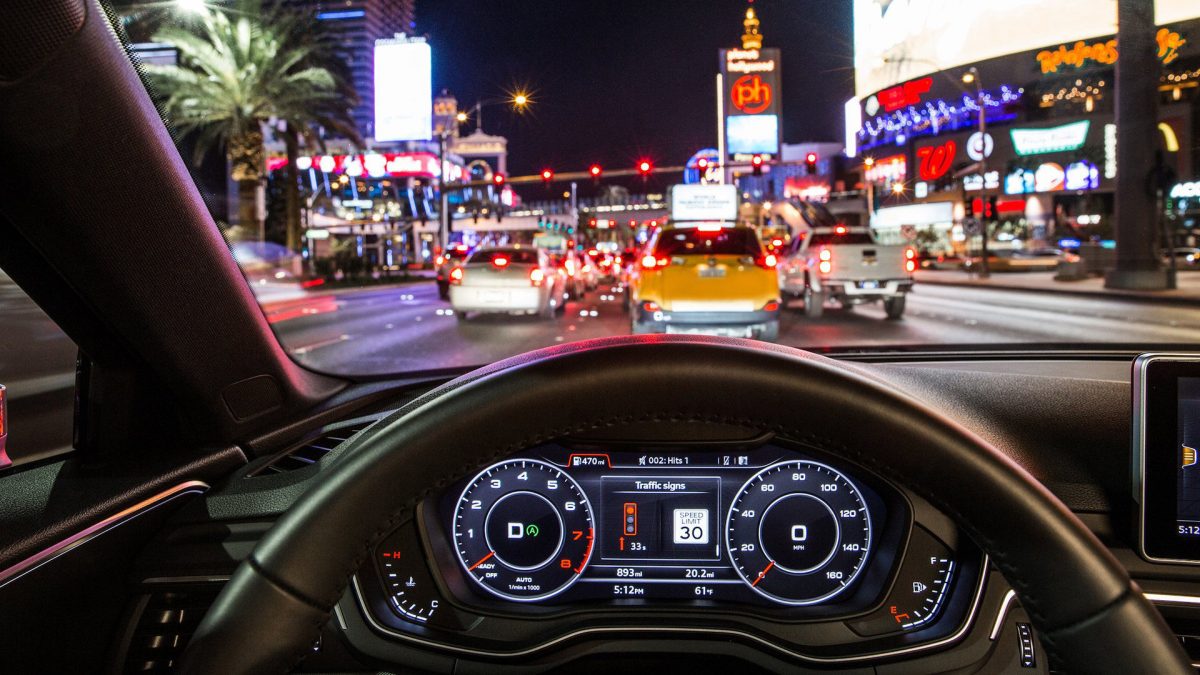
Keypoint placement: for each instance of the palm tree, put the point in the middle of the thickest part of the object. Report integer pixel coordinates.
(240, 70)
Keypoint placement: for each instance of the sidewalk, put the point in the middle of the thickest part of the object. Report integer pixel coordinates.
(1187, 293)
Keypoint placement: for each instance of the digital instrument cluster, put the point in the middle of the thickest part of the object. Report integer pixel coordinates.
(564, 540)
(761, 526)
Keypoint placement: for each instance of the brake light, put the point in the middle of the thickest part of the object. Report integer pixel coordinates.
(708, 227)
(771, 306)
(456, 276)
(910, 266)
(593, 252)
(536, 276)
(650, 306)
(910, 253)
(841, 229)
(826, 254)
(441, 260)
(569, 265)
(650, 262)
(768, 261)
(500, 261)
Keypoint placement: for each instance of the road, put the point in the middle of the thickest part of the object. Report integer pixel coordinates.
(407, 328)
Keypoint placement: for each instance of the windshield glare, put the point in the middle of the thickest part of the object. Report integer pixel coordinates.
(896, 190)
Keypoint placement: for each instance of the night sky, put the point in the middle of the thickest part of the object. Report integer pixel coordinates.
(616, 80)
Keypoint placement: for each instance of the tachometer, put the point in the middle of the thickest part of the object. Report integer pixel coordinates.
(523, 530)
(798, 532)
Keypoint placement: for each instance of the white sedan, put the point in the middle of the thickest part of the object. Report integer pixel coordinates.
(507, 280)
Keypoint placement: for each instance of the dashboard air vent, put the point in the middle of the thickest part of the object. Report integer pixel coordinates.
(166, 623)
(311, 451)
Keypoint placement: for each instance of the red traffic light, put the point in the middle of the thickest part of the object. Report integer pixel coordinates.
(547, 175)
(811, 158)
(595, 170)
(756, 160)
(644, 167)
(498, 178)
(702, 163)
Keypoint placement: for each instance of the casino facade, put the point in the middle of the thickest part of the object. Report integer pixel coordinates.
(1043, 168)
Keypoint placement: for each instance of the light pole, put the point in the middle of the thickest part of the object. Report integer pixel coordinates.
(519, 101)
(972, 77)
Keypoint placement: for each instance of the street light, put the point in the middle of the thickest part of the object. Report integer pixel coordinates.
(519, 101)
(971, 76)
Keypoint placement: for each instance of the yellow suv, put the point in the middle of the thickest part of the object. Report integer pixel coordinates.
(712, 278)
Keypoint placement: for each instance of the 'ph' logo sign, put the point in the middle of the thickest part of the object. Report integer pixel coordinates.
(750, 94)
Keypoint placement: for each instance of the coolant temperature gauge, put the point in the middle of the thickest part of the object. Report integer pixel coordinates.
(410, 588)
(920, 589)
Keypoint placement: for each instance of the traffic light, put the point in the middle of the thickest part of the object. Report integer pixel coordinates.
(756, 162)
(990, 212)
(644, 168)
(498, 179)
(547, 176)
(810, 162)
(595, 171)
(702, 163)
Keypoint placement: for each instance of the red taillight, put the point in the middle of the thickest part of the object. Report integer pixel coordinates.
(569, 266)
(650, 306)
(910, 266)
(311, 283)
(440, 260)
(910, 253)
(771, 306)
(537, 276)
(456, 275)
(841, 229)
(826, 254)
(708, 227)
(500, 261)
(768, 261)
(826, 264)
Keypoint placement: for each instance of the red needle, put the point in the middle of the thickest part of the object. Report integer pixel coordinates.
(760, 574)
(483, 560)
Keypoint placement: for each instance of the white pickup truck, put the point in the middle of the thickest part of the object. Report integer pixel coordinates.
(846, 264)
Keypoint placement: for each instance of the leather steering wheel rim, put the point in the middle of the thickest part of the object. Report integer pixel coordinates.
(1090, 616)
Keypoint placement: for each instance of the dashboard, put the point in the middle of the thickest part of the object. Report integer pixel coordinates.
(760, 540)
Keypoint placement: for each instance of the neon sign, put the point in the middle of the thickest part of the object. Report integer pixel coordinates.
(1049, 177)
(1186, 190)
(909, 93)
(939, 116)
(1051, 139)
(1082, 175)
(886, 169)
(935, 160)
(1081, 53)
(750, 94)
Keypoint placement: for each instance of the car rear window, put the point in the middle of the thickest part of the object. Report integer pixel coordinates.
(831, 239)
(517, 256)
(736, 241)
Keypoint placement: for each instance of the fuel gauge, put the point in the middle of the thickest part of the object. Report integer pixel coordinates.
(920, 589)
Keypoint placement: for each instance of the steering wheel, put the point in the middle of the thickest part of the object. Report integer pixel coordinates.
(1089, 614)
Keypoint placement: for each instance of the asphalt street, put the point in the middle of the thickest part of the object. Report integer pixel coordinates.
(388, 330)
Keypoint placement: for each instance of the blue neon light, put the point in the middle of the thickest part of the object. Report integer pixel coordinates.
(935, 117)
(344, 14)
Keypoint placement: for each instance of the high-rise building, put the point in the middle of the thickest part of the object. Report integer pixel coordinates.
(356, 25)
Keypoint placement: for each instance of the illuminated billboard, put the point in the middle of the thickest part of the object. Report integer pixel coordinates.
(752, 134)
(900, 40)
(752, 100)
(403, 90)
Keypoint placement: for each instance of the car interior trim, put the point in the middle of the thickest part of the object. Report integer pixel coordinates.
(1001, 613)
(99, 528)
(962, 630)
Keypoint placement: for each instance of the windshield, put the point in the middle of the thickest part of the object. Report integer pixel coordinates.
(739, 241)
(354, 154)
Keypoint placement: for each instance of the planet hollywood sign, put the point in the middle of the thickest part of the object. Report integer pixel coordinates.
(747, 61)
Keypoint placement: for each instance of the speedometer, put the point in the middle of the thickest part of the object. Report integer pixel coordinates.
(523, 530)
(798, 532)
